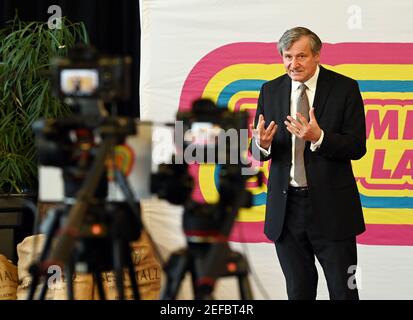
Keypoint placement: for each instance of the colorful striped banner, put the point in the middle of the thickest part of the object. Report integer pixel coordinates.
(232, 76)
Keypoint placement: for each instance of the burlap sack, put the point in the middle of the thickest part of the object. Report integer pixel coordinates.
(8, 279)
(147, 271)
(28, 251)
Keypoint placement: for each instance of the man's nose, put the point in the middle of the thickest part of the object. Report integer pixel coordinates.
(294, 63)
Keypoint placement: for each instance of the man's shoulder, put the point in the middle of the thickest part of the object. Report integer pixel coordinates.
(331, 75)
(274, 83)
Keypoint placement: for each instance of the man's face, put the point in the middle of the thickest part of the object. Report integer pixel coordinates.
(299, 61)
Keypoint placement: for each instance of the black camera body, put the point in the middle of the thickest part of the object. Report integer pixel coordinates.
(214, 134)
(85, 74)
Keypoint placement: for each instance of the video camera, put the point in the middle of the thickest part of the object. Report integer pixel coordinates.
(89, 230)
(213, 134)
(85, 74)
(209, 136)
(85, 81)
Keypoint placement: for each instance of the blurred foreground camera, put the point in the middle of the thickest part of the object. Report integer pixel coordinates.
(86, 74)
(88, 231)
(216, 137)
(213, 134)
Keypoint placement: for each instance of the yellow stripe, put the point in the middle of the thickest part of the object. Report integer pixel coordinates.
(240, 71)
(387, 95)
(270, 71)
(388, 216)
(206, 183)
(375, 71)
(255, 214)
(239, 95)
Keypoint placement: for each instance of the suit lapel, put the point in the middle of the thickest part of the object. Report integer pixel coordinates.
(285, 97)
(322, 92)
(285, 103)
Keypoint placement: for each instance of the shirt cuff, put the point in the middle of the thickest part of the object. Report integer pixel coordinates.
(265, 152)
(316, 145)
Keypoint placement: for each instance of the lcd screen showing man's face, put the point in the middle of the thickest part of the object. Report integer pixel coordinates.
(202, 133)
(79, 82)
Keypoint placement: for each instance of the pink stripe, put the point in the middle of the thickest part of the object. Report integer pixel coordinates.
(376, 234)
(252, 232)
(266, 53)
(218, 59)
(387, 235)
(367, 53)
(384, 102)
(387, 186)
(242, 101)
(193, 170)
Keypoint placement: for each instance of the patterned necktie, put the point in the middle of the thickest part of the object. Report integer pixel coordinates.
(303, 108)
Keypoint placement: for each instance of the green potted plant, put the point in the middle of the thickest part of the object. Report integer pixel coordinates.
(26, 49)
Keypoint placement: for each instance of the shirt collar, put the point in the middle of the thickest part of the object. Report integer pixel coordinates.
(310, 83)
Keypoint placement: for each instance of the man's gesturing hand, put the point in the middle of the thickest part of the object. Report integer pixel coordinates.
(307, 130)
(264, 135)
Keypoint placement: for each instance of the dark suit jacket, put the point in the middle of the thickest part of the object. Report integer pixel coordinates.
(339, 110)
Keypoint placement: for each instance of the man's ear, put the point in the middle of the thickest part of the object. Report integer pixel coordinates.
(317, 57)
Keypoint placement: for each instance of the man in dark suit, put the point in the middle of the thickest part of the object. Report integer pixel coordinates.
(310, 123)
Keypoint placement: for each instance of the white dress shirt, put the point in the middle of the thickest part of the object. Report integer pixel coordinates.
(310, 91)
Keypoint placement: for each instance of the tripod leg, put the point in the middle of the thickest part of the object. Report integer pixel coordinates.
(35, 269)
(203, 287)
(118, 268)
(69, 278)
(33, 286)
(132, 274)
(45, 286)
(175, 270)
(98, 278)
(244, 287)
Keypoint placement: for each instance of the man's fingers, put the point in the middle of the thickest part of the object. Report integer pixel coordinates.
(270, 127)
(261, 122)
(311, 114)
(273, 130)
(302, 119)
(270, 131)
(293, 122)
(292, 130)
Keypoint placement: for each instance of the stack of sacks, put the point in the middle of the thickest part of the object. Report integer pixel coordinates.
(29, 251)
(8, 279)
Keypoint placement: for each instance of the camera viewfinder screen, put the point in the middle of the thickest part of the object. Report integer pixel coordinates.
(79, 82)
(202, 133)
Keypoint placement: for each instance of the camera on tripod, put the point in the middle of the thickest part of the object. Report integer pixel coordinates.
(91, 234)
(211, 136)
(204, 135)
